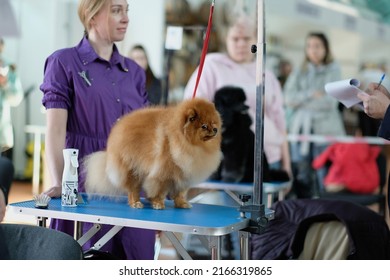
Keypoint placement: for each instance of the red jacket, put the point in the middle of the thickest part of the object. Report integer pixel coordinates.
(352, 165)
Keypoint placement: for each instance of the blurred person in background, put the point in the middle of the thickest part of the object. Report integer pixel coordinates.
(153, 84)
(284, 69)
(11, 95)
(310, 110)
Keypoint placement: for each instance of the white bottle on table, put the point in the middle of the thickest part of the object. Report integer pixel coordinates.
(70, 178)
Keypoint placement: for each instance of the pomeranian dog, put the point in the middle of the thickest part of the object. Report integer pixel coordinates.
(162, 150)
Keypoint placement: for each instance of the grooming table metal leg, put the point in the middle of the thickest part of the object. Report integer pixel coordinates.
(215, 247)
(205, 242)
(109, 235)
(41, 221)
(212, 244)
(244, 244)
(78, 230)
(88, 235)
(178, 246)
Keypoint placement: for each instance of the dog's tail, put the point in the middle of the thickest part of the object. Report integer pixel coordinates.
(97, 179)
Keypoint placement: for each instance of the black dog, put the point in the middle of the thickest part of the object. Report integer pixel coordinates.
(237, 138)
(237, 165)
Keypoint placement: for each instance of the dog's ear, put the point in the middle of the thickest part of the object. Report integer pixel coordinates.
(240, 107)
(191, 115)
(230, 99)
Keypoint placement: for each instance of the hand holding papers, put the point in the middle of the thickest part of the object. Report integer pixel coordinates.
(345, 91)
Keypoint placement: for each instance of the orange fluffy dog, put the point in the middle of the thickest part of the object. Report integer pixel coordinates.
(163, 150)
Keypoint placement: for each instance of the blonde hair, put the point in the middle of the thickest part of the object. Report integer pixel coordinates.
(87, 9)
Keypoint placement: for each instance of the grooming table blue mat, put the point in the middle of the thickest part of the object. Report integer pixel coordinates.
(202, 219)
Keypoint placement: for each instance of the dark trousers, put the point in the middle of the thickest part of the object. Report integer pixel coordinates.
(6, 175)
(307, 183)
(8, 154)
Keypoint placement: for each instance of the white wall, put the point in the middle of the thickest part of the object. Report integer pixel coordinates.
(147, 27)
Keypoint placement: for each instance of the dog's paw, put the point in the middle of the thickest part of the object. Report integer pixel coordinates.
(158, 205)
(137, 204)
(183, 204)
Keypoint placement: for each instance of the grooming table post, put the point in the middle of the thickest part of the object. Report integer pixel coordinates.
(258, 220)
(259, 122)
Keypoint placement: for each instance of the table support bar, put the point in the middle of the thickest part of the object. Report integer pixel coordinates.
(88, 235)
(178, 246)
(110, 234)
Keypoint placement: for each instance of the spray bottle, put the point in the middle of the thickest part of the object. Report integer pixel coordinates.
(70, 178)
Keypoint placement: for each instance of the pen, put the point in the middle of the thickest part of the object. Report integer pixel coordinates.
(381, 80)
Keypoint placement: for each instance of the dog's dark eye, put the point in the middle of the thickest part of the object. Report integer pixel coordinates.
(204, 126)
(192, 119)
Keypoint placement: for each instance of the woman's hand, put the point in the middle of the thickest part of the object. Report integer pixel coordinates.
(376, 101)
(54, 192)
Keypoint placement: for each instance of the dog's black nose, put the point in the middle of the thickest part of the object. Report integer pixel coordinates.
(215, 129)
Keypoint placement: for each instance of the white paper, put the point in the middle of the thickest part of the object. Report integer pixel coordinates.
(345, 91)
(174, 38)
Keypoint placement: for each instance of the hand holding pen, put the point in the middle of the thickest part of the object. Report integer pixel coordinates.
(376, 101)
(381, 80)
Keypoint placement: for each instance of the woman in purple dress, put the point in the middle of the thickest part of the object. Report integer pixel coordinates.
(86, 89)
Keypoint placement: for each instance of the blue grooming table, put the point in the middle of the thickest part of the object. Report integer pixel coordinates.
(213, 221)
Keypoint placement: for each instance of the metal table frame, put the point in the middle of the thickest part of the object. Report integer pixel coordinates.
(271, 189)
(210, 222)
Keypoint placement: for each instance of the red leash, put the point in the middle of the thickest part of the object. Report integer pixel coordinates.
(205, 47)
